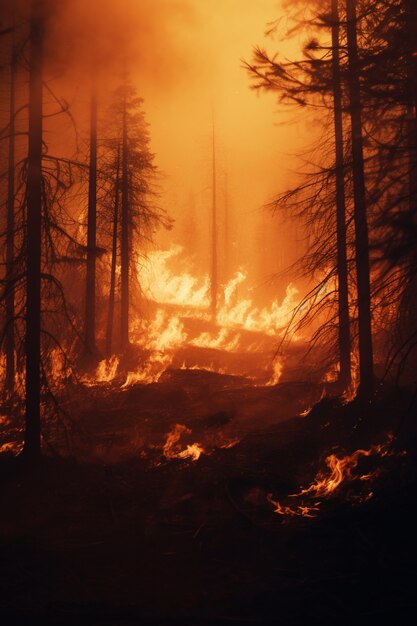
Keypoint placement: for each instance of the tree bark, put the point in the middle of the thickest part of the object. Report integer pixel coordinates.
(124, 269)
(366, 376)
(110, 316)
(411, 36)
(10, 287)
(90, 296)
(32, 444)
(342, 269)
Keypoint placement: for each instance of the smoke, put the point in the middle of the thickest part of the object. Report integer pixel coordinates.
(112, 38)
(185, 59)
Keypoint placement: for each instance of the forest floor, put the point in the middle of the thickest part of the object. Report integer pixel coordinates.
(121, 532)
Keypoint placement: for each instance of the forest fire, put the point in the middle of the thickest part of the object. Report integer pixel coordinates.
(181, 297)
(208, 311)
(162, 285)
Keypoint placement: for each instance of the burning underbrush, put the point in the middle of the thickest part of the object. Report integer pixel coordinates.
(176, 328)
(348, 477)
(173, 447)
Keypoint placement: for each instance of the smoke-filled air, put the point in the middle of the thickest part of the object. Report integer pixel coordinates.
(208, 295)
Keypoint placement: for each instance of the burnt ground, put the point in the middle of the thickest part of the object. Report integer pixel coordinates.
(108, 531)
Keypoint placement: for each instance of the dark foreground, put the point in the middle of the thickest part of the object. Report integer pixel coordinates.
(139, 539)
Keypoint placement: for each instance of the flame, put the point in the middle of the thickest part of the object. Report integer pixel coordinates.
(340, 470)
(350, 393)
(14, 447)
(277, 372)
(204, 368)
(172, 447)
(163, 286)
(107, 369)
(105, 372)
(332, 374)
(225, 340)
(161, 336)
(160, 285)
(270, 321)
(300, 510)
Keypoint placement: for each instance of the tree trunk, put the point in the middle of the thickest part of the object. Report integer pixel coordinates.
(110, 316)
(90, 296)
(411, 21)
(213, 283)
(32, 443)
(10, 287)
(124, 269)
(366, 377)
(226, 257)
(342, 269)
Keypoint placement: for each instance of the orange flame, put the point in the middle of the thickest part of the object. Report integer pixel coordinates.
(163, 335)
(161, 285)
(341, 470)
(172, 448)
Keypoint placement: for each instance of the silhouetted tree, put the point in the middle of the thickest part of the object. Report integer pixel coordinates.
(33, 234)
(342, 265)
(129, 176)
(90, 295)
(10, 234)
(112, 290)
(311, 81)
(366, 384)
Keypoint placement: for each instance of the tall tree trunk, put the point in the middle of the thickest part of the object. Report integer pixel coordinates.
(366, 377)
(33, 236)
(226, 256)
(213, 283)
(110, 316)
(411, 35)
(10, 287)
(342, 269)
(124, 269)
(90, 296)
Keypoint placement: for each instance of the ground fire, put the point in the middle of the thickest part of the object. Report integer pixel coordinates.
(208, 290)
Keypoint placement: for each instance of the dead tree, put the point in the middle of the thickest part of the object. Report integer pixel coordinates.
(90, 296)
(366, 376)
(342, 267)
(411, 47)
(10, 236)
(32, 444)
(124, 254)
(110, 316)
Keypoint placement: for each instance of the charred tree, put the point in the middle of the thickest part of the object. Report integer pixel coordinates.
(411, 36)
(32, 444)
(110, 316)
(342, 267)
(366, 377)
(124, 244)
(90, 296)
(10, 238)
